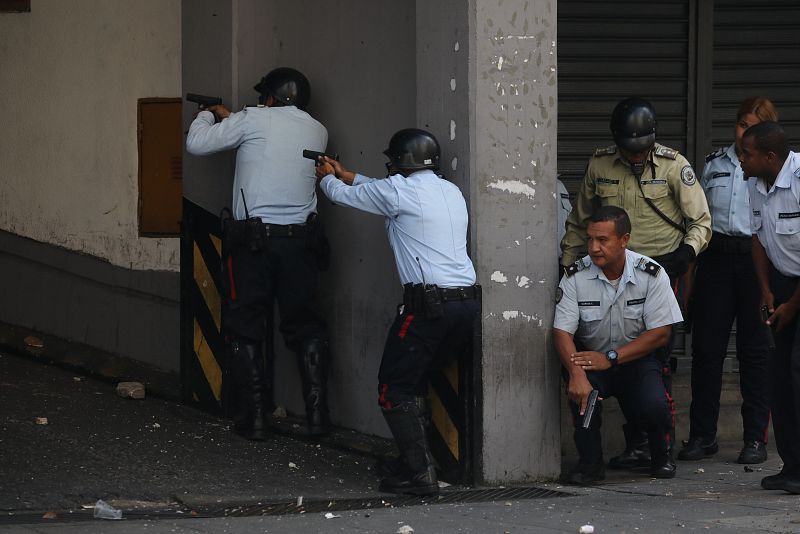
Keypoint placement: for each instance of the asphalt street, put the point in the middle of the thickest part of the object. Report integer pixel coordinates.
(170, 468)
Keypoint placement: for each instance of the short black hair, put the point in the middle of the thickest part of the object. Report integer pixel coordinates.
(622, 223)
(769, 136)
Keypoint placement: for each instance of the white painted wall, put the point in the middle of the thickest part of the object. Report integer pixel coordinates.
(71, 76)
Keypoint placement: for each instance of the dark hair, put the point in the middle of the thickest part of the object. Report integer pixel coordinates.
(622, 223)
(760, 106)
(769, 136)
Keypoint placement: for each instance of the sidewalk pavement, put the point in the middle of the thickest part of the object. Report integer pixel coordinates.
(169, 468)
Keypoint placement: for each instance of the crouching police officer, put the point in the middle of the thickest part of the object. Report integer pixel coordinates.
(657, 187)
(274, 246)
(614, 309)
(426, 222)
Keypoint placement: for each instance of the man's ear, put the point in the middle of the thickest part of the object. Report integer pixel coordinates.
(625, 238)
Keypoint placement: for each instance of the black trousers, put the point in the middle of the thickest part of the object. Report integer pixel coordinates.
(725, 289)
(287, 271)
(639, 389)
(415, 345)
(784, 379)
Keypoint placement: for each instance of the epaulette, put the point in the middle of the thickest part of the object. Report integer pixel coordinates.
(576, 267)
(607, 151)
(648, 266)
(715, 154)
(666, 152)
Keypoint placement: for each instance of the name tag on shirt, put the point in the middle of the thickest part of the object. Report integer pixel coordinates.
(634, 302)
(588, 303)
(792, 215)
(720, 174)
(607, 181)
(654, 182)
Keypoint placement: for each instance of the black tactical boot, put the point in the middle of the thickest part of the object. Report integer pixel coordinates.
(248, 363)
(753, 452)
(313, 362)
(637, 450)
(698, 449)
(662, 464)
(585, 474)
(407, 421)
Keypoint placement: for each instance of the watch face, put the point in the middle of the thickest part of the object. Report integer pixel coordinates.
(611, 355)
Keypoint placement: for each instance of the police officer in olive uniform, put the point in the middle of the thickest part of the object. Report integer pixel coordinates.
(426, 222)
(775, 223)
(614, 309)
(658, 189)
(725, 288)
(273, 246)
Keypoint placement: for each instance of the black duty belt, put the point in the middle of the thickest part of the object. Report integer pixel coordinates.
(726, 244)
(284, 230)
(446, 293)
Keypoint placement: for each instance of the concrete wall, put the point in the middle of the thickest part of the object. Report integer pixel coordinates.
(359, 57)
(72, 73)
(513, 159)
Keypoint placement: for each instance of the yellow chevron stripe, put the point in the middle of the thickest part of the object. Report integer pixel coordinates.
(208, 362)
(205, 283)
(443, 424)
(217, 242)
(451, 373)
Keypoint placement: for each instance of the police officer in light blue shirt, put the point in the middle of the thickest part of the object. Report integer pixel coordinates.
(775, 204)
(274, 247)
(725, 289)
(426, 222)
(614, 309)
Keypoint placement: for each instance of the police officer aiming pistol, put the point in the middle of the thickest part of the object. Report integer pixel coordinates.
(273, 246)
(426, 222)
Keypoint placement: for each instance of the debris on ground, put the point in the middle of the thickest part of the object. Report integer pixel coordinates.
(405, 529)
(41, 421)
(331, 516)
(103, 510)
(130, 390)
(279, 413)
(35, 342)
(586, 529)
(700, 470)
(300, 501)
(292, 465)
(50, 515)
(748, 469)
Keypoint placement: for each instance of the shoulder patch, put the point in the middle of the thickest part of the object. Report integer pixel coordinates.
(715, 154)
(607, 151)
(666, 152)
(687, 175)
(575, 268)
(648, 266)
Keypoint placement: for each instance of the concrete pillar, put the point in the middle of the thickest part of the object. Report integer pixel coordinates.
(486, 86)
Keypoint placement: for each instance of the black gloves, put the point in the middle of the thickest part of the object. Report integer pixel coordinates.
(684, 255)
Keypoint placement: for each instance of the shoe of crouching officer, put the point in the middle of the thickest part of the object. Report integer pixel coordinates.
(663, 466)
(636, 453)
(585, 474)
(390, 467)
(698, 449)
(753, 452)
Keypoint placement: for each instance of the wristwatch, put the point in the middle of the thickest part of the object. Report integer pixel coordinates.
(612, 357)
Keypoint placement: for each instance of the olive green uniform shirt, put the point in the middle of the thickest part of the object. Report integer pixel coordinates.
(673, 190)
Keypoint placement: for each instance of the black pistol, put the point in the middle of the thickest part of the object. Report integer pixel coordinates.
(590, 402)
(203, 101)
(311, 154)
(770, 333)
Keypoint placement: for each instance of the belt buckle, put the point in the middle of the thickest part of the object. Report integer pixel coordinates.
(267, 229)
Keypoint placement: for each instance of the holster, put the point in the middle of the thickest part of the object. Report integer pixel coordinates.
(424, 300)
(317, 241)
(249, 233)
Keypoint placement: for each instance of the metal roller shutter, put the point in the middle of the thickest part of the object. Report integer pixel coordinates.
(610, 50)
(756, 52)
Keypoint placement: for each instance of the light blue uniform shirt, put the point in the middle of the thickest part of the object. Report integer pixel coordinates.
(727, 193)
(603, 318)
(279, 184)
(776, 216)
(426, 218)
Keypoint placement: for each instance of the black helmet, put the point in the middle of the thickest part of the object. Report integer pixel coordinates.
(633, 125)
(414, 149)
(287, 85)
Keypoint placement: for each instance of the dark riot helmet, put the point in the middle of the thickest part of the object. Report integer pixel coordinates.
(288, 86)
(633, 125)
(414, 149)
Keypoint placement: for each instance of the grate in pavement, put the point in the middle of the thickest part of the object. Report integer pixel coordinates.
(366, 503)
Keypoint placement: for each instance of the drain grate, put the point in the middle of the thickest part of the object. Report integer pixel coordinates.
(366, 503)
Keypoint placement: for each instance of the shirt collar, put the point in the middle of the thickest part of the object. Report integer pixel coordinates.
(731, 154)
(785, 177)
(651, 157)
(628, 271)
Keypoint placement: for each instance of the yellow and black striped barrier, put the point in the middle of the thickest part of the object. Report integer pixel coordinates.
(202, 343)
